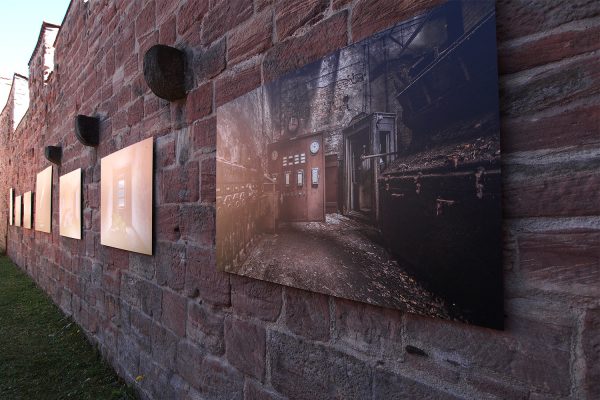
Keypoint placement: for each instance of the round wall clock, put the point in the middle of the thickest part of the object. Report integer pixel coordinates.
(314, 147)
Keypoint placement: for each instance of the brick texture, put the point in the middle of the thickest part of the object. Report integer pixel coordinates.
(195, 332)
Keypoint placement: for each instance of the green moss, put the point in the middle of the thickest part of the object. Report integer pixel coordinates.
(43, 354)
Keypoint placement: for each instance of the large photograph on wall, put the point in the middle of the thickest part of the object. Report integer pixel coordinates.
(11, 207)
(27, 209)
(373, 174)
(43, 201)
(18, 211)
(126, 198)
(70, 205)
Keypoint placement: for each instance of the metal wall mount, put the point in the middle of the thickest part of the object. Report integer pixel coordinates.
(164, 72)
(53, 154)
(87, 130)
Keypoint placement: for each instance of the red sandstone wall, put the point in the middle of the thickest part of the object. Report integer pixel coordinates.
(195, 333)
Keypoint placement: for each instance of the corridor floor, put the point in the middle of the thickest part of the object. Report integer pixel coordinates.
(339, 257)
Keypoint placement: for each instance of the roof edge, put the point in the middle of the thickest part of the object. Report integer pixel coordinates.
(40, 36)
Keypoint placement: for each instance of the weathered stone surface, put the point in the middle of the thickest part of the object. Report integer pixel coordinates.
(199, 102)
(203, 279)
(254, 391)
(204, 135)
(159, 382)
(225, 16)
(302, 370)
(549, 86)
(150, 299)
(299, 51)
(291, 15)
(525, 17)
(591, 353)
(368, 328)
(141, 329)
(167, 32)
(337, 4)
(170, 261)
(566, 261)
(387, 385)
(164, 346)
(528, 361)
(180, 184)
(497, 389)
(208, 180)
(370, 16)
(129, 289)
(256, 298)
(128, 354)
(198, 224)
(205, 327)
(245, 345)
(190, 15)
(174, 312)
(252, 38)
(262, 4)
(579, 39)
(574, 126)
(219, 380)
(237, 83)
(167, 223)
(307, 314)
(208, 63)
(567, 187)
(189, 362)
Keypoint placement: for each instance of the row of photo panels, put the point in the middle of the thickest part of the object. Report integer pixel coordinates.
(126, 201)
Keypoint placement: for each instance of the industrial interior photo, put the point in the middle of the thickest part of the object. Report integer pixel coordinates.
(373, 174)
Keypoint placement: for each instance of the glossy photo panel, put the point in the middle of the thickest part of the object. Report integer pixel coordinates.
(70, 204)
(43, 201)
(373, 174)
(18, 211)
(11, 206)
(126, 198)
(27, 210)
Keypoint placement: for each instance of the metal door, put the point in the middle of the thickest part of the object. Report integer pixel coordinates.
(302, 179)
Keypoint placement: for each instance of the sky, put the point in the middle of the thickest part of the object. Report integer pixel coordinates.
(20, 23)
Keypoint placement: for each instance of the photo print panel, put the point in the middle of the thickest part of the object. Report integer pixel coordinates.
(70, 204)
(373, 174)
(11, 207)
(18, 211)
(126, 198)
(43, 201)
(27, 209)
